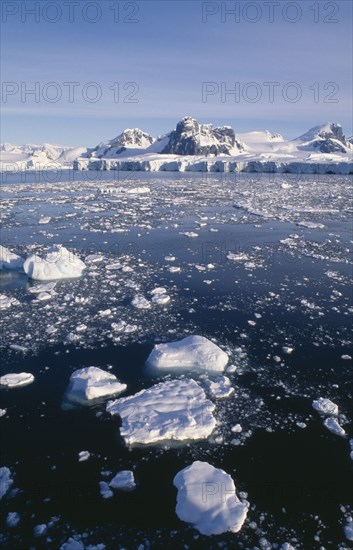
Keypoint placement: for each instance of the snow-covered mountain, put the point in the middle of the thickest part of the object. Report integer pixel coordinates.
(29, 156)
(192, 138)
(327, 138)
(191, 145)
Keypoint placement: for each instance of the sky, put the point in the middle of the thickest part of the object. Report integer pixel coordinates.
(79, 72)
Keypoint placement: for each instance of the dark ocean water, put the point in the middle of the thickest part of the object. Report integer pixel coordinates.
(297, 480)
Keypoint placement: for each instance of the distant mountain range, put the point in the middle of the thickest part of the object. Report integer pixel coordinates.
(190, 141)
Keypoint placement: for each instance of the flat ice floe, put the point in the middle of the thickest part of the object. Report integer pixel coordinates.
(58, 263)
(92, 383)
(190, 353)
(9, 260)
(325, 406)
(172, 410)
(207, 499)
(16, 380)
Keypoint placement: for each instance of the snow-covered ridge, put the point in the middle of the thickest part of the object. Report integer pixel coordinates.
(192, 146)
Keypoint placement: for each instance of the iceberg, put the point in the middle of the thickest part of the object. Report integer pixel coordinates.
(9, 260)
(92, 383)
(207, 499)
(58, 263)
(16, 380)
(191, 353)
(172, 410)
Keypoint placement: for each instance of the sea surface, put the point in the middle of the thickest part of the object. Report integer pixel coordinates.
(264, 262)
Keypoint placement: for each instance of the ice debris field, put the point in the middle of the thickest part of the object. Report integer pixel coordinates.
(183, 341)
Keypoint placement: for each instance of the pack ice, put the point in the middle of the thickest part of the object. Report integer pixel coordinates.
(172, 410)
(9, 260)
(92, 383)
(58, 263)
(191, 353)
(207, 499)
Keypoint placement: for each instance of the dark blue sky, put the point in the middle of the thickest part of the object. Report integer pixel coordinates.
(167, 50)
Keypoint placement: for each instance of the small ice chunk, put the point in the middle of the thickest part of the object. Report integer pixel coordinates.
(92, 383)
(207, 499)
(16, 347)
(220, 387)
(158, 290)
(40, 530)
(104, 490)
(287, 349)
(334, 427)
(83, 456)
(9, 260)
(7, 301)
(44, 287)
(123, 481)
(325, 406)
(351, 446)
(16, 380)
(174, 269)
(44, 220)
(5, 481)
(58, 263)
(191, 353)
(161, 299)
(236, 428)
(12, 519)
(2, 412)
(348, 530)
(72, 544)
(170, 258)
(140, 302)
(346, 357)
(172, 410)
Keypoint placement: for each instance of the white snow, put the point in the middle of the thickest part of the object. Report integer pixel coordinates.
(58, 263)
(5, 480)
(220, 387)
(16, 380)
(171, 410)
(92, 383)
(325, 406)
(123, 481)
(334, 427)
(9, 260)
(191, 353)
(207, 499)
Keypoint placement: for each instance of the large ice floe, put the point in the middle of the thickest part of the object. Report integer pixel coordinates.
(16, 380)
(58, 263)
(92, 383)
(190, 353)
(172, 410)
(207, 499)
(9, 260)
